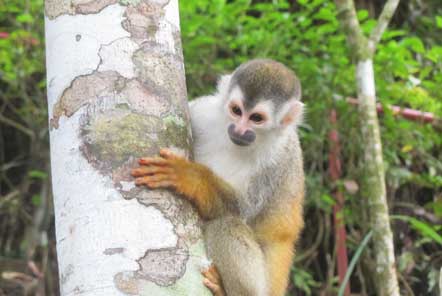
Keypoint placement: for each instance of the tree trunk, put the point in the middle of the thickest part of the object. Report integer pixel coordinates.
(440, 281)
(116, 92)
(373, 183)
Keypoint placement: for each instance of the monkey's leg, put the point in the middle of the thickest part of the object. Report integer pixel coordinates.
(238, 257)
(279, 257)
(196, 182)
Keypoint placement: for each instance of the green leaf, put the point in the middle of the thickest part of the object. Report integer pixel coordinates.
(438, 208)
(362, 14)
(389, 34)
(439, 21)
(36, 174)
(415, 44)
(324, 14)
(304, 281)
(422, 227)
(353, 262)
(36, 199)
(25, 18)
(327, 199)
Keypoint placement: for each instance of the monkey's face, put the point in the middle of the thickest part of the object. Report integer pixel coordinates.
(249, 123)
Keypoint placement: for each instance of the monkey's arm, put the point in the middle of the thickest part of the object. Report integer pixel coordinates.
(209, 193)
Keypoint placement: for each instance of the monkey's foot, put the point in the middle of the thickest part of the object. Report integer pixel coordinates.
(213, 282)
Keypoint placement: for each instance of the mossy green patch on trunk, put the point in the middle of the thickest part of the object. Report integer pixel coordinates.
(113, 137)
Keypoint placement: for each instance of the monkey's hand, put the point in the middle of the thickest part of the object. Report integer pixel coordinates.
(212, 280)
(194, 181)
(166, 171)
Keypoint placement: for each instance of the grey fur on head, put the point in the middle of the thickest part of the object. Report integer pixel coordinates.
(265, 79)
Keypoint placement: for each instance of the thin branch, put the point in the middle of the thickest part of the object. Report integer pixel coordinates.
(383, 20)
(17, 125)
(350, 24)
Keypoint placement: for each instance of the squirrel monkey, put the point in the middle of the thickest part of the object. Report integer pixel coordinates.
(247, 180)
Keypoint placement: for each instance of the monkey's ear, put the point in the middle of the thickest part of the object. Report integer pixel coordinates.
(223, 84)
(291, 113)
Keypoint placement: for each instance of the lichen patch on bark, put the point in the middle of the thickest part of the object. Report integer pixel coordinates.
(112, 138)
(84, 90)
(142, 20)
(143, 99)
(162, 266)
(163, 70)
(55, 8)
(178, 211)
(113, 251)
(189, 283)
(100, 88)
(91, 6)
(67, 273)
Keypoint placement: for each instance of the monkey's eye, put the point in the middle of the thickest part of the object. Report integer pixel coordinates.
(256, 118)
(236, 110)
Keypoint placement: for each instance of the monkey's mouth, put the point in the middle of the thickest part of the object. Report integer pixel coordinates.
(239, 141)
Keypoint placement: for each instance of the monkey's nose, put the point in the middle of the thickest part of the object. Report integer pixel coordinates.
(244, 139)
(240, 129)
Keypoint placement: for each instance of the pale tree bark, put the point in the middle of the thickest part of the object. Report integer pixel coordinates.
(373, 186)
(116, 92)
(440, 281)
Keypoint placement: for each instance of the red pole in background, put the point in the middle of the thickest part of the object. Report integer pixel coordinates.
(334, 165)
(407, 113)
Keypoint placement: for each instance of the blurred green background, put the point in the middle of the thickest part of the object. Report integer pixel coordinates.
(217, 36)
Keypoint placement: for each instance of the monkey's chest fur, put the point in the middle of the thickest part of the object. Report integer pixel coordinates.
(236, 165)
(231, 167)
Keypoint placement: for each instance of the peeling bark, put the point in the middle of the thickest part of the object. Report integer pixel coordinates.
(373, 181)
(55, 8)
(116, 92)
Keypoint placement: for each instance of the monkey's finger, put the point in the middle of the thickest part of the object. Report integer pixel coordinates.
(149, 170)
(161, 177)
(169, 154)
(214, 288)
(154, 178)
(210, 276)
(161, 184)
(214, 271)
(153, 161)
(155, 181)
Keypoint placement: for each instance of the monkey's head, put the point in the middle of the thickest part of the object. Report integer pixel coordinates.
(261, 96)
